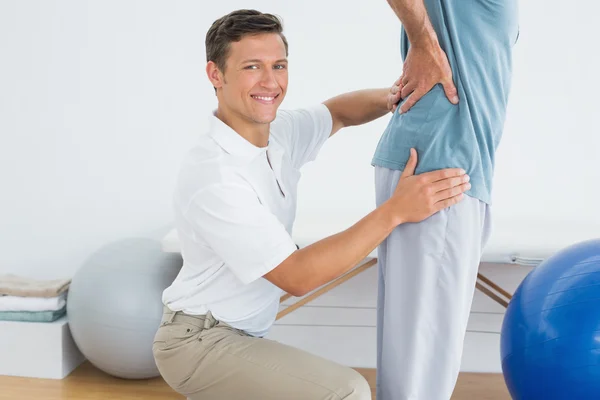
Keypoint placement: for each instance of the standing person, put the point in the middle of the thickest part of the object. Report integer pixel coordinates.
(454, 90)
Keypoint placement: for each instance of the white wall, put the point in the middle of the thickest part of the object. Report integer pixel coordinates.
(99, 100)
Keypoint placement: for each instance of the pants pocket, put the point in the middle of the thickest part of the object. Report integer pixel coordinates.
(175, 334)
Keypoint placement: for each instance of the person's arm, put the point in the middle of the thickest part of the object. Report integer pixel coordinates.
(414, 18)
(357, 108)
(416, 197)
(426, 63)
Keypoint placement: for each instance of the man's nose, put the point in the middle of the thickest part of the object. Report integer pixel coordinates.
(268, 79)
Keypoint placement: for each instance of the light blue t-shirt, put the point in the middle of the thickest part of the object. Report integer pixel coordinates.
(477, 36)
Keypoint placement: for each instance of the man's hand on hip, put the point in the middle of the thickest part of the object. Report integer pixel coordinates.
(425, 66)
(418, 197)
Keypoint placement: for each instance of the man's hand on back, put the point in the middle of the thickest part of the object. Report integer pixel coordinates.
(425, 66)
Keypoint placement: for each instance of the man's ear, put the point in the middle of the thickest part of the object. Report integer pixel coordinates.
(214, 75)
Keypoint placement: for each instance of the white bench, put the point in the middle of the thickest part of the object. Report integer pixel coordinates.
(38, 349)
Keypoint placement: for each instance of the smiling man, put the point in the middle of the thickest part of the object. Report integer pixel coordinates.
(235, 203)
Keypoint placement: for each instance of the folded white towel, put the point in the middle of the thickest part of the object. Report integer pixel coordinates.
(16, 303)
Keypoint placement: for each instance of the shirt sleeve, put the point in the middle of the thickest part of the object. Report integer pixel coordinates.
(303, 132)
(246, 235)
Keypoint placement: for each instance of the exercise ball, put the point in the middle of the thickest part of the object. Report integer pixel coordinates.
(114, 305)
(550, 337)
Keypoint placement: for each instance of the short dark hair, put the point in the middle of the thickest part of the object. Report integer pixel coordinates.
(233, 27)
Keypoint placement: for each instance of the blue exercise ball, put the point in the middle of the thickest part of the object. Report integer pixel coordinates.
(115, 305)
(550, 338)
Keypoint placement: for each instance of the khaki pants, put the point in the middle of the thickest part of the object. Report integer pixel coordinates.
(205, 359)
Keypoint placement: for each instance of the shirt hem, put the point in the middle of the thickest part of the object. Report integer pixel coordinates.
(476, 190)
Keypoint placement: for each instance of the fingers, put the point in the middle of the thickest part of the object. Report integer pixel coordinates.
(441, 174)
(412, 100)
(439, 206)
(395, 106)
(411, 165)
(393, 102)
(451, 192)
(448, 183)
(400, 87)
(408, 89)
(393, 98)
(450, 91)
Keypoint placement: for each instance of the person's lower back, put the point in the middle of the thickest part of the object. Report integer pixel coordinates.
(478, 38)
(442, 138)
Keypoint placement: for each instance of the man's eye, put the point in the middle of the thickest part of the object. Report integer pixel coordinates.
(280, 66)
(251, 67)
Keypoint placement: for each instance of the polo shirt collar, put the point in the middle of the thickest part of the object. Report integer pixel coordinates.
(231, 141)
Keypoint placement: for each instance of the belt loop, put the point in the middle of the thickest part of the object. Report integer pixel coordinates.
(170, 317)
(209, 320)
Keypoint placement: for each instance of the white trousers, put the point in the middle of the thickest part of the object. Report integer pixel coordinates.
(427, 275)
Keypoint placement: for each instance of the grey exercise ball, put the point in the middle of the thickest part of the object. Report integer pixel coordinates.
(114, 305)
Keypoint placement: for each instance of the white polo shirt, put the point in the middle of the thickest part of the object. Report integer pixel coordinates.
(235, 205)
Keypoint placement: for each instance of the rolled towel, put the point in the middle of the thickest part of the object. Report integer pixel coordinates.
(17, 303)
(13, 285)
(32, 316)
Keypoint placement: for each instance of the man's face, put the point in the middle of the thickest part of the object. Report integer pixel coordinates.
(255, 78)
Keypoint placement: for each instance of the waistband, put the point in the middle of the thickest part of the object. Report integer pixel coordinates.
(205, 321)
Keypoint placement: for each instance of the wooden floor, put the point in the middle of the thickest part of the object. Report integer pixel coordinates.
(88, 383)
